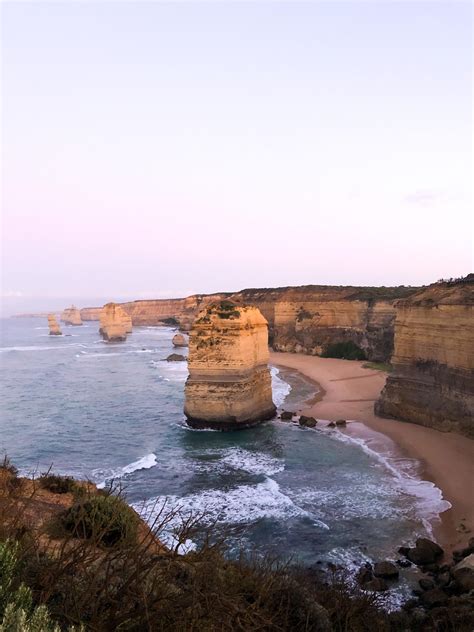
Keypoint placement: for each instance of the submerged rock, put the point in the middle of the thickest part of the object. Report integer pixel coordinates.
(54, 329)
(229, 383)
(176, 357)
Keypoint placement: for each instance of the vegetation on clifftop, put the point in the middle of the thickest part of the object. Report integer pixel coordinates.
(52, 580)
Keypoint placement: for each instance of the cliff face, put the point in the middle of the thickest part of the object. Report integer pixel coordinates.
(54, 329)
(71, 316)
(115, 323)
(309, 319)
(229, 384)
(91, 313)
(433, 379)
(303, 319)
(172, 311)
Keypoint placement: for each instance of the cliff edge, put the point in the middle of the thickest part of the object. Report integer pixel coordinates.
(433, 379)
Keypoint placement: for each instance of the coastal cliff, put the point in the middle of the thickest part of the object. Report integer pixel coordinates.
(115, 323)
(433, 379)
(90, 313)
(71, 316)
(229, 383)
(54, 329)
(308, 319)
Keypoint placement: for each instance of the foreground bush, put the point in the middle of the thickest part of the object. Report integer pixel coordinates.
(104, 519)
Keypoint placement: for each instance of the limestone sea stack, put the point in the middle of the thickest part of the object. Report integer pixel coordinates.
(54, 329)
(180, 341)
(71, 316)
(115, 323)
(432, 383)
(229, 384)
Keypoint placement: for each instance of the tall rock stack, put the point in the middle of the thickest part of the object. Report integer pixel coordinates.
(54, 329)
(433, 378)
(115, 323)
(71, 316)
(229, 383)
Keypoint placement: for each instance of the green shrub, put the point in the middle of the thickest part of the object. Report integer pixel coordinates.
(105, 520)
(58, 484)
(345, 350)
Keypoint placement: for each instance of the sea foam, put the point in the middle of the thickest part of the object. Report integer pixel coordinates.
(105, 476)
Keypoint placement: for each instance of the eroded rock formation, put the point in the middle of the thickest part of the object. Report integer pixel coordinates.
(433, 379)
(115, 323)
(180, 341)
(71, 316)
(54, 329)
(229, 383)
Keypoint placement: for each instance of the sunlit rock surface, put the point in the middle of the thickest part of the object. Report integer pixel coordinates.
(115, 323)
(229, 383)
(54, 329)
(71, 316)
(433, 379)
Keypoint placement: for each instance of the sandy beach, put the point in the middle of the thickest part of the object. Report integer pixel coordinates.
(348, 391)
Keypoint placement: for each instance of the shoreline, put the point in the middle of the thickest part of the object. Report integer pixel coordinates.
(348, 391)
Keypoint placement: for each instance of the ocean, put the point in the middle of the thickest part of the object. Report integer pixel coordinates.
(114, 412)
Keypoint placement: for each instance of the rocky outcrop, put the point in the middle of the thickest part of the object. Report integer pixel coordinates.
(433, 379)
(180, 341)
(91, 313)
(54, 329)
(229, 384)
(71, 316)
(115, 323)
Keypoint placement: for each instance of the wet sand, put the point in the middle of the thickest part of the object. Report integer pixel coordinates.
(348, 391)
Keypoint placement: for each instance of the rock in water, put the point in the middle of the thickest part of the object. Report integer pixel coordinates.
(229, 384)
(71, 316)
(115, 323)
(176, 357)
(54, 329)
(180, 341)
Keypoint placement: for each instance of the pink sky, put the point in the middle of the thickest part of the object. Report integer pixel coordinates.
(154, 149)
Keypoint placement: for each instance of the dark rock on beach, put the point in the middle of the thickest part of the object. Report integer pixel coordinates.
(308, 422)
(425, 552)
(341, 422)
(286, 415)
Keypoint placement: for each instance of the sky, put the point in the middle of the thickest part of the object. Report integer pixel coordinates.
(159, 149)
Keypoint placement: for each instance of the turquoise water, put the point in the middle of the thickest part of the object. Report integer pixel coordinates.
(114, 411)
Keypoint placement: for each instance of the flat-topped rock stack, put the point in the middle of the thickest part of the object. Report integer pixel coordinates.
(432, 383)
(71, 316)
(229, 383)
(115, 323)
(54, 329)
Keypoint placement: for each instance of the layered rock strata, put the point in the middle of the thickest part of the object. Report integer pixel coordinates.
(307, 319)
(433, 379)
(71, 316)
(54, 329)
(229, 383)
(115, 323)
